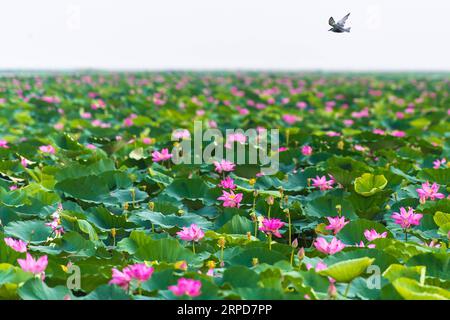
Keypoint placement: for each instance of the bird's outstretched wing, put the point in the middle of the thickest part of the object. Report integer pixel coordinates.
(341, 22)
(331, 22)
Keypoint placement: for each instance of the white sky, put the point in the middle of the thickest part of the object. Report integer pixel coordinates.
(224, 34)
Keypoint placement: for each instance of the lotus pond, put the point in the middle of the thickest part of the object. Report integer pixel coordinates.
(92, 205)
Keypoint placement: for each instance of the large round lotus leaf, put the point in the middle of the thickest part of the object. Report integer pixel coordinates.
(369, 184)
(410, 289)
(346, 271)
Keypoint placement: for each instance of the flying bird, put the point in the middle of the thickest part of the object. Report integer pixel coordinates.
(338, 27)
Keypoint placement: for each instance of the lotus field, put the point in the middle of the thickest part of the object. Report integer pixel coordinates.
(143, 186)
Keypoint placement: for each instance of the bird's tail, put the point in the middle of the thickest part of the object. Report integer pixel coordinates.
(348, 29)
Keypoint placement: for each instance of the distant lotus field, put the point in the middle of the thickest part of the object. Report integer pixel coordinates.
(94, 205)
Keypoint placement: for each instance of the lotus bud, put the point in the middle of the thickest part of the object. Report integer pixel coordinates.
(221, 242)
(339, 209)
(210, 264)
(387, 207)
(332, 291)
(255, 261)
(270, 200)
(252, 181)
(301, 253)
(294, 243)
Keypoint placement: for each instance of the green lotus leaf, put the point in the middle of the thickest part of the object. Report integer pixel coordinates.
(346, 271)
(369, 184)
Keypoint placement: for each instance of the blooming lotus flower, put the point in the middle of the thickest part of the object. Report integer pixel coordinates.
(181, 134)
(191, 233)
(362, 245)
(34, 266)
(373, 234)
(398, 133)
(379, 132)
(271, 226)
(302, 105)
(161, 156)
(189, 287)
(24, 162)
(230, 199)
(139, 271)
(336, 224)
(47, 149)
(16, 245)
(429, 192)
(307, 150)
(334, 246)
(227, 183)
(98, 104)
(128, 122)
(319, 266)
(432, 244)
(223, 166)
(122, 279)
(86, 115)
(289, 118)
(322, 183)
(407, 218)
(4, 144)
(437, 163)
(146, 140)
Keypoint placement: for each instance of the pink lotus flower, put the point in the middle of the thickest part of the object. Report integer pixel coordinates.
(128, 122)
(307, 150)
(181, 134)
(302, 105)
(398, 133)
(336, 224)
(362, 245)
(122, 279)
(86, 115)
(322, 183)
(34, 266)
(289, 118)
(146, 140)
(271, 226)
(139, 271)
(189, 287)
(161, 156)
(230, 199)
(24, 162)
(16, 245)
(224, 166)
(319, 266)
(438, 162)
(407, 218)
(98, 104)
(47, 149)
(373, 234)
(191, 233)
(4, 144)
(379, 132)
(227, 183)
(429, 192)
(334, 246)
